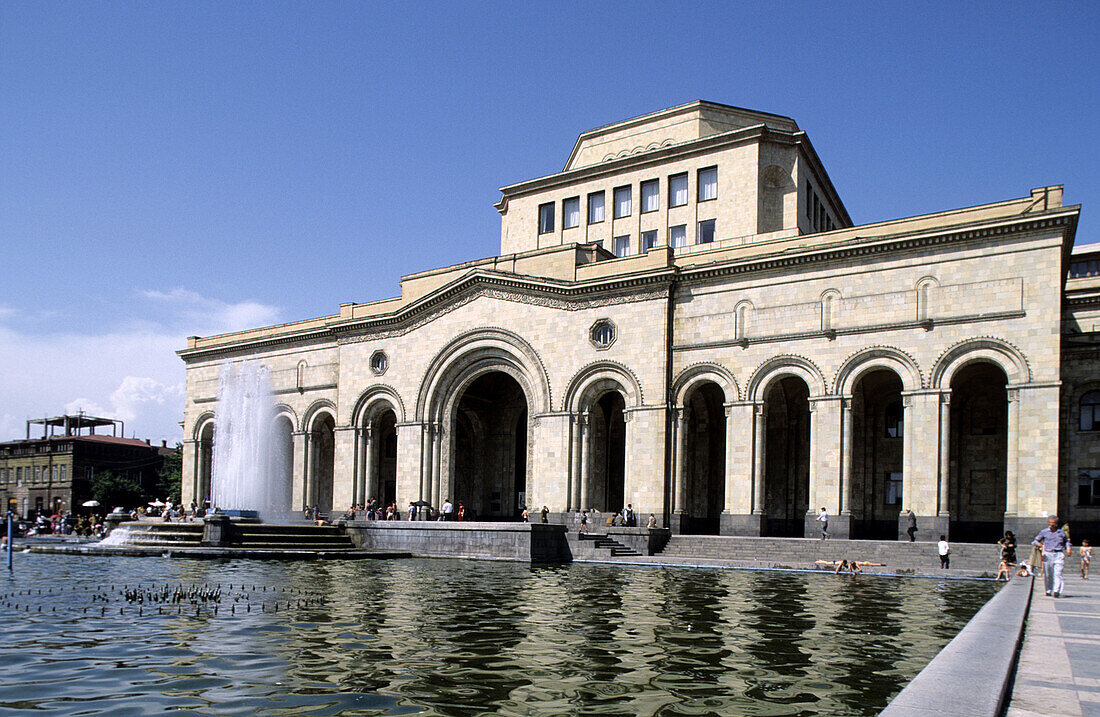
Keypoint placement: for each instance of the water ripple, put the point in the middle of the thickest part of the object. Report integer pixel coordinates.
(437, 637)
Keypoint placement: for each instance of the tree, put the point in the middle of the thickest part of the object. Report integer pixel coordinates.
(170, 476)
(112, 490)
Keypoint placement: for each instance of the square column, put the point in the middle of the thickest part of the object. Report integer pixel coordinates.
(1032, 476)
(825, 445)
(923, 418)
(300, 443)
(738, 517)
(189, 490)
(408, 464)
(343, 469)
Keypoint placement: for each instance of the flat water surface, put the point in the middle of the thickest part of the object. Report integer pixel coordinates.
(445, 637)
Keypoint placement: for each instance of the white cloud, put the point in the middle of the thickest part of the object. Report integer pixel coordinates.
(205, 316)
(130, 372)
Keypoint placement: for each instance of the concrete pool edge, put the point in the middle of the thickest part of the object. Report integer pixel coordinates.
(972, 674)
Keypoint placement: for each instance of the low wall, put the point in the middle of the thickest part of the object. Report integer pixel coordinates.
(527, 542)
(972, 675)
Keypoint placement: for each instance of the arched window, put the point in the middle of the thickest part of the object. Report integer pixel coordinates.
(1090, 411)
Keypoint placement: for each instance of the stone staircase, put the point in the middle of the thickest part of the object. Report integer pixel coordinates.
(262, 536)
(614, 548)
(896, 556)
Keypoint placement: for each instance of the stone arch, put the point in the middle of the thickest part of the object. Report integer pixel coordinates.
(471, 354)
(598, 378)
(697, 374)
(315, 410)
(986, 349)
(282, 409)
(375, 399)
(200, 424)
(785, 365)
(877, 357)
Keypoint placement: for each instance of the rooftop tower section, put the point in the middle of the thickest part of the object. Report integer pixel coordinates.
(686, 178)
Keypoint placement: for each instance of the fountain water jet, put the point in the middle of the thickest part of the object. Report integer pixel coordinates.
(249, 463)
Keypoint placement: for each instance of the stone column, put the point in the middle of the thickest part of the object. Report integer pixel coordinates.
(437, 453)
(344, 456)
(824, 467)
(759, 466)
(944, 473)
(586, 460)
(680, 458)
(310, 469)
(845, 507)
(1012, 466)
(425, 490)
(189, 480)
(737, 516)
(298, 470)
(574, 463)
(370, 465)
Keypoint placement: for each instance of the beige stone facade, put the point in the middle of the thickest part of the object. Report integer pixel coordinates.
(732, 376)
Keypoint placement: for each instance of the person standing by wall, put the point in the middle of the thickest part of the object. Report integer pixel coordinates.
(1055, 549)
(823, 518)
(911, 531)
(945, 553)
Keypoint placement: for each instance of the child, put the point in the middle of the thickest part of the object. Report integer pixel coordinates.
(1086, 558)
(945, 553)
(1002, 570)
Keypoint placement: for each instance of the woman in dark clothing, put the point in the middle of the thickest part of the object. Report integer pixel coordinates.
(1008, 547)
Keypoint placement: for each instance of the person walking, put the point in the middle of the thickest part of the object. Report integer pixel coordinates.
(545, 514)
(1055, 549)
(945, 553)
(1086, 558)
(823, 518)
(911, 531)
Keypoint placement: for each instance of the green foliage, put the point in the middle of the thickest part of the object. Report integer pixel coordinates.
(170, 477)
(112, 490)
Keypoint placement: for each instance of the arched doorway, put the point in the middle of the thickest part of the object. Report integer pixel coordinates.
(322, 457)
(607, 446)
(381, 477)
(489, 467)
(787, 458)
(205, 468)
(877, 443)
(282, 469)
(979, 452)
(704, 461)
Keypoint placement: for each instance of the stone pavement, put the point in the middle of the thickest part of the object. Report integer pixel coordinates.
(1059, 668)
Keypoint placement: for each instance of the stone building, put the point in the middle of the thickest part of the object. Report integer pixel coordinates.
(52, 473)
(686, 319)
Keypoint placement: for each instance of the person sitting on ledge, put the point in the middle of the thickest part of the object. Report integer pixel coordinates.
(1003, 570)
(652, 522)
(849, 565)
(856, 566)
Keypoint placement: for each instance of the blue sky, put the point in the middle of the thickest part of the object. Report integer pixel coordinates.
(188, 168)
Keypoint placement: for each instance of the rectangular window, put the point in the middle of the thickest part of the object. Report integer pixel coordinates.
(546, 218)
(622, 202)
(622, 245)
(677, 236)
(38, 474)
(53, 474)
(706, 231)
(651, 197)
(708, 184)
(649, 240)
(1088, 486)
(19, 476)
(893, 488)
(62, 474)
(571, 213)
(678, 190)
(595, 207)
(809, 201)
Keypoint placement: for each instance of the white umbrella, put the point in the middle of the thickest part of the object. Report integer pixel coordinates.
(90, 504)
(157, 503)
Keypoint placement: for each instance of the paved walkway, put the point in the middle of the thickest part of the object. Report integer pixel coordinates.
(1059, 668)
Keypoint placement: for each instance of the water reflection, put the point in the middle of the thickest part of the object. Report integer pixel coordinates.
(461, 638)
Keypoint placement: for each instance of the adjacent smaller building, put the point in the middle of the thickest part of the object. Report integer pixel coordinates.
(53, 473)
